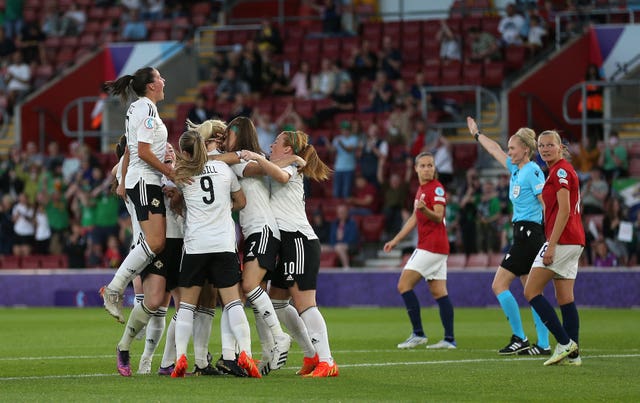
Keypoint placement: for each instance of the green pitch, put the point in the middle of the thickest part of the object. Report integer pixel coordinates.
(56, 354)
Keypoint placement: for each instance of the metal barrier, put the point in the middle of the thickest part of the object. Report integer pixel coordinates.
(607, 118)
(478, 91)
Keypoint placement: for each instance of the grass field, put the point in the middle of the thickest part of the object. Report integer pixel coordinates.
(57, 354)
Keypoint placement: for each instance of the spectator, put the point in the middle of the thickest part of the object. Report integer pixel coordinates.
(31, 43)
(265, 129)
(112, 255)
(152, 10)
(488, 218)
(73, 20)
(484, 46)
(322, 229)
(444, 160)
(71, 163)
(134, 29)
(250, 67)
(395, 191)
(344, 236)
(23, 216)
(331, 18)
(42, 234)
(363, 62)
(343, 100)
(365, 199)
(602, 256)
(381, 94)
(95, 256)
(301, 81)
(199, 111)
(279, 83)
(449, 44)
(503, 194)
(107, 206)
(58, 217)
(510, 26)
(6, 225)
(52, 21)
(218, 67)
(13, 18)
(536, 35)
(398, 124)
(372, 152)
(323, 84)
(268, 37)
(7, 48)
(613, 218)
(422, 137)
(585, 159)
(53, 159)
(76, 247)
(452, 217)
(390, 58)
(18, 79)
(231, 85)
(344, 145)
(614, 159)
(469, 211)
(594, 193)
(240, 107)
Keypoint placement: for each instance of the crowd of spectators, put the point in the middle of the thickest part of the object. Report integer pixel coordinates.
(371, 149)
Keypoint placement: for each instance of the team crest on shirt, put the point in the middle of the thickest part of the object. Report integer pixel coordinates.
(439, 191)
(158, 264)
(148, 123)
(155, 202)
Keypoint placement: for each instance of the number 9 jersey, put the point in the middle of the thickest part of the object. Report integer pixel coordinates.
(208, 226)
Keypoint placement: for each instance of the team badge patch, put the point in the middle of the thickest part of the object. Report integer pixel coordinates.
(155, 202)
(439, 191)
(148, 123)
(158, 264)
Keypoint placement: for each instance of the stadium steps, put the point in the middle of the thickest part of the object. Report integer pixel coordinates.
(170, 110)
(494, 131)
(9, 140)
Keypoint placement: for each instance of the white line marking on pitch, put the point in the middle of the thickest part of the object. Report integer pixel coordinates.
(384, 364)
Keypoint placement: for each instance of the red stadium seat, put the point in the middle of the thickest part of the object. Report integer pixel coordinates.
(372, 227)
(31, 262)
(328, 259)
(456, 261)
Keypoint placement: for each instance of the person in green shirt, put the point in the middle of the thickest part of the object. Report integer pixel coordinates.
(487, 219)
(614, 159)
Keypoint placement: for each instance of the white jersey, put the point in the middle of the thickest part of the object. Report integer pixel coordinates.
(136, 230)
(175, 222)
(145, 126)
(257, 212)
(287, 203)
(208, 225)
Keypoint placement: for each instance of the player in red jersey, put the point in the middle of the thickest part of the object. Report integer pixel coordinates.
(429, 260)
(558, 257)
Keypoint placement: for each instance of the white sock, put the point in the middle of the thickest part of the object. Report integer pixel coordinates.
(227, 339)
(318, 332)
(132, 265)
(138, 299)
(239, 325)
(138, 318)
(295, 325)
(201, 333)
(184, 328)
(267, 342)
(169, 355)
(155, 328)
(260, 300)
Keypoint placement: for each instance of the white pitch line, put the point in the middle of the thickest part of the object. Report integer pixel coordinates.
(383, 364)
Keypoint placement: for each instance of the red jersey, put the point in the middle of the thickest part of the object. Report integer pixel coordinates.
(432, 236)
(562, 175)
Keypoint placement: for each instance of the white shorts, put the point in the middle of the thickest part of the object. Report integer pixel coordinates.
(565, 262)
(432, 266)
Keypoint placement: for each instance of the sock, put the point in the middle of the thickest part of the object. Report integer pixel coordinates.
(138, 318)
(541, 330)
(155, 328)
(512, 311)
(549, 318)
(288, 315)
(169, 354)
(131, 266)
(260, 300)
(138, 298)
(227, 339)
(570, 320)
(318, 332)
(446, 317)
(413, 309)
(264, 333)
(239, 325)
(201, 333)
(184, 327)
